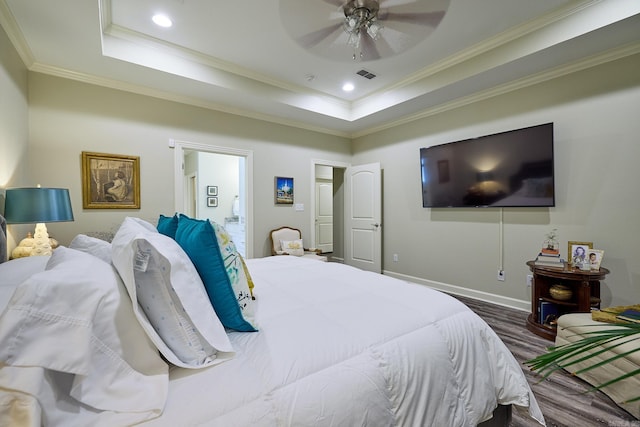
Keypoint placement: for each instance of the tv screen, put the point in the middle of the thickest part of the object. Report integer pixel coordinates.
(507, 169)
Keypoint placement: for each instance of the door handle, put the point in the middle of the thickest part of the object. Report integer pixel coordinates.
(376, 225)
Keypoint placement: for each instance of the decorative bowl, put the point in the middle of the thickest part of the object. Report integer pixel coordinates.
(560, 292)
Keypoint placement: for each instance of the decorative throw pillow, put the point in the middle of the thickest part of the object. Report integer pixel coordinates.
(220, 267)
(171, 303)
(168, 225)
(292, 247)
(93, 246)
(249, 279)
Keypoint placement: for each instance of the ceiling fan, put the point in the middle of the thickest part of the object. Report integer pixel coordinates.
(360, 29)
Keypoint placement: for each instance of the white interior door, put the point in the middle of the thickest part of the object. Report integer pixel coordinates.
(324, 215)
(363, 217)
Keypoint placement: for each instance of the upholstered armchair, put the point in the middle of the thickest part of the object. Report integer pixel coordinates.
(288, 241)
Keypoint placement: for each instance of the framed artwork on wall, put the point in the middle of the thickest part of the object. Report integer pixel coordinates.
(212, 190)
(577, 252)
(283, 190)
(110, 181)
(212, 202)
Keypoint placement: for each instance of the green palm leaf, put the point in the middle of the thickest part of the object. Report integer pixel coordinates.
(592, 344)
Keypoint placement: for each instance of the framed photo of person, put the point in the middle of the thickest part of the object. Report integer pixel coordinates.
(595, 258)
(110, 181)
(577, 252)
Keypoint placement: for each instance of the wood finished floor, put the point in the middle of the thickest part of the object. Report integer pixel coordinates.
(560, 397)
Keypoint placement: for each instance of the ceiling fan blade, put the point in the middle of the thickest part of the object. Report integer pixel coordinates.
(393, 3)
(338, 3)
(369, 49)
(314, 38)
(426, 18)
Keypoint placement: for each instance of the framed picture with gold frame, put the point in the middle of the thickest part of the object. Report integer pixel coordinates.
(577, 252)
(110, 181)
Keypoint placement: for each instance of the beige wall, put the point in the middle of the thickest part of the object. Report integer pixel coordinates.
(67, 117)
(14, 129)
(594, 111)
(597, 154)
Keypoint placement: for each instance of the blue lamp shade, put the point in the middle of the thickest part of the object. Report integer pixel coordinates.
(37, 205)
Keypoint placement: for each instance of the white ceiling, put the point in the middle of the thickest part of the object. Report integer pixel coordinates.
(244, 57)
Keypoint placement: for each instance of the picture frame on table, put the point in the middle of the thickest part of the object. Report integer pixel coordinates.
(212, 190)
(577, 252)
(110, 181)
(283, 193)
(595, 258)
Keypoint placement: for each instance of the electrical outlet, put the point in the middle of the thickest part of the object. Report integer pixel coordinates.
(501, 275)
(529, 280)
(395, 257)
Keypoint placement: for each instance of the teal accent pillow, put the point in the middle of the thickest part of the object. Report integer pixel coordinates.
(220, 267)
(168, 225)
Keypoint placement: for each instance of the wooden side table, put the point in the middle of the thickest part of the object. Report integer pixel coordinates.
(585, 286)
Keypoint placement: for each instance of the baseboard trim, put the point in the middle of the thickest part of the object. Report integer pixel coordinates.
(465, 292)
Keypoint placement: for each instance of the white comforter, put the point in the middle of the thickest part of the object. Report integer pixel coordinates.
(342, 347)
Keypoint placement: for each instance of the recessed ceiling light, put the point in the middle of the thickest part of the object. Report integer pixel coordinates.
(162, 20)
(348, 87)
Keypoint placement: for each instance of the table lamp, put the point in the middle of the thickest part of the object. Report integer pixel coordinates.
(38, 205)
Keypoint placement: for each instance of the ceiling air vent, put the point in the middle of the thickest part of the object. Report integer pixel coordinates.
(366, 74)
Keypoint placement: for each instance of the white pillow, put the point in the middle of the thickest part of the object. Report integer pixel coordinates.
(91, 245)
(76, 318)
(292, 247)
(171, 303)
(16, 271)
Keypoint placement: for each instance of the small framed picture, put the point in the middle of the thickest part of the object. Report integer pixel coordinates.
(283, 190)
(577, 252)
(595, 258)
(212, 190)
(212, 202)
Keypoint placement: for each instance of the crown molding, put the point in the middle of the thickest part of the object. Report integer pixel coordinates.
(10, 25)
(573, 67)
(168, 96)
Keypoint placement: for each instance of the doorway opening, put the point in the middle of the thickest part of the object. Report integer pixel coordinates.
(327, 207)
(213, 183)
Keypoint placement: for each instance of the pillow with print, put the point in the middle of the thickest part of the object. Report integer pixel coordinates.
(170, 300)
(220, 266)
(292, 247)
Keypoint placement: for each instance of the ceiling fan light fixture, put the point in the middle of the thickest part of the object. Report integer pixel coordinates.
(374, 29)
(360, 17)
(354, 39)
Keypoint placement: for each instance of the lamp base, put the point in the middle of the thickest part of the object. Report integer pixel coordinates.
(42, 245)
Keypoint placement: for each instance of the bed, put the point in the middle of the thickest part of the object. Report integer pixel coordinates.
(324, 344)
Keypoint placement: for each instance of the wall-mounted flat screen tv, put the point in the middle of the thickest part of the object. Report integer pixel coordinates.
(507, 169)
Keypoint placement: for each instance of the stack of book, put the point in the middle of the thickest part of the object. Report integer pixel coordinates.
(549, 258)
